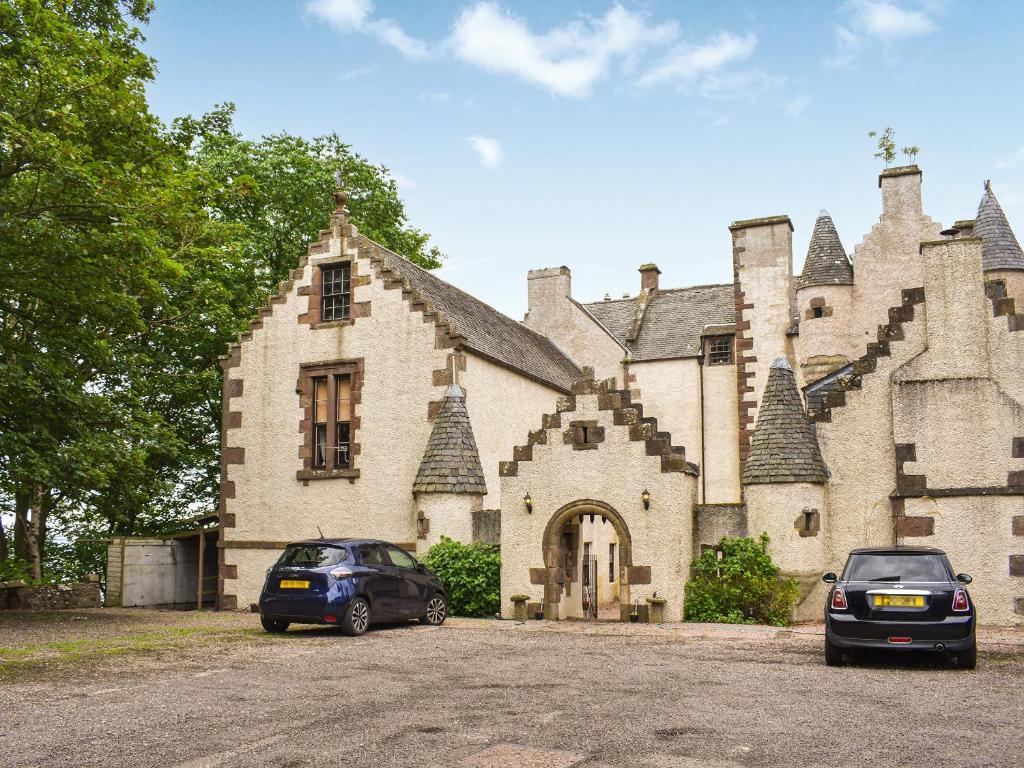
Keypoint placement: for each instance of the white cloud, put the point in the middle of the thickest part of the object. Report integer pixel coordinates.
(888, 21)
(404, 182)
(798, 105)
(1011, 160)
(879, 21)
(687, 63)
(357, 72)
(488, 151)
(567, 60)
(355, 16)
(436, 97)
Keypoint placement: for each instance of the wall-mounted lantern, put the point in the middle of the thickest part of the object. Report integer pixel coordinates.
(645, 497)
(528, 502)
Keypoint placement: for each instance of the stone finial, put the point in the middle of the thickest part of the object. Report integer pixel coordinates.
(784, 447)
(999, 246)
(826, 262)
(340, 196)
(451, 461)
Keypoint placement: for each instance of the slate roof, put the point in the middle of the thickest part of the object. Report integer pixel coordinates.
(784, 446)
(451, 462)
(488, 332)
(826, 262)
(673, 320)
(999, 246)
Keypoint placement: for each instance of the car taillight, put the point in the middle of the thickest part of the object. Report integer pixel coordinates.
(960, 600)
(839, 599)
(341, 573)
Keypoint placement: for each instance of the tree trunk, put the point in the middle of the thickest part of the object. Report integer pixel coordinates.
(34, 533)
(22, 500)
(4, 553)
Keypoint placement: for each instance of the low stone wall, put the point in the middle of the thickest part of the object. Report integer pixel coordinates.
(50, 597)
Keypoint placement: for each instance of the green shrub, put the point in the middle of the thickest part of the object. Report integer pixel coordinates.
(471, 574)
(14, 569)
(743, 587)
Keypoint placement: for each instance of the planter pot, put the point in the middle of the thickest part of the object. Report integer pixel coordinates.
(538, 615)
(656, 610)
(634, 618)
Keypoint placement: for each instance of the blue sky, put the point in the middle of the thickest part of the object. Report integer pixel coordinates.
(602, 135)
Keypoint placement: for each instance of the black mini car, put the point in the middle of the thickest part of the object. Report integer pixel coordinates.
(905, 598)
(351, 583)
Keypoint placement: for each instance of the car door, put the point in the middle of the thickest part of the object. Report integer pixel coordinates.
(379, 580)
(412, 597)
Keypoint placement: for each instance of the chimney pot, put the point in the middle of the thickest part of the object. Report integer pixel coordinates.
(649, 277)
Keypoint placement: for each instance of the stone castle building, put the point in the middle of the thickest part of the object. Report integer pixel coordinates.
(865, 401)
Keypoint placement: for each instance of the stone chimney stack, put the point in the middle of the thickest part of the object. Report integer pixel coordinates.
(548, 294)
(649, 277)
(901, 192)
(956, 319)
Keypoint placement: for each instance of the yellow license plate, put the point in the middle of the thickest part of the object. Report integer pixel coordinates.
(899, 601)
(294, 584)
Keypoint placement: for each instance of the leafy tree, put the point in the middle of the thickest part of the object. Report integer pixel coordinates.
(82, 198)
(886, 145)
(471, 574)
(130, 255)
(741, 587)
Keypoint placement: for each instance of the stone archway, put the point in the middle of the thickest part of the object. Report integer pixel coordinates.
(552, 576)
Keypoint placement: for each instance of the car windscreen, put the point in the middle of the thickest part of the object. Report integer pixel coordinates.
(312, 556)
(896, 567)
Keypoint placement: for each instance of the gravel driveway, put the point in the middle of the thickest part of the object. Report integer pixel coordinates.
(210, 690)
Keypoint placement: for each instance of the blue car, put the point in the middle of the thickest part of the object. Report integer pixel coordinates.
(351, 583)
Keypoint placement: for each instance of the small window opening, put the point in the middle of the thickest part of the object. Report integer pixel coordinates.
(719, 350)
(320, 421)
(336, 295)
(818, 311)
(611, 563)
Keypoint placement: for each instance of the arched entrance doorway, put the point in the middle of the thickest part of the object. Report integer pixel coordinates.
(574, 583)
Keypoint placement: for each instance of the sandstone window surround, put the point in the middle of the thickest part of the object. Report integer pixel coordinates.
(718, 350)
(328, 394)
(817, 308)
(332, 295)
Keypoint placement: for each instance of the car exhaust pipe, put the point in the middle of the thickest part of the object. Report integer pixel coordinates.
(940, 647)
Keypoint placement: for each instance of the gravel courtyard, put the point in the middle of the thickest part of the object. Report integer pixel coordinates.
(146, 688)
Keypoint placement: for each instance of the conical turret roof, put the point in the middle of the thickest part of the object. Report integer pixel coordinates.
(451, 462)
(999, 246)
(784, 446)
(826, 262)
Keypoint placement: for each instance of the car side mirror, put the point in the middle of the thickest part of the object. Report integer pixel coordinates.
(830, 578)
(421, 568)
(963, 578)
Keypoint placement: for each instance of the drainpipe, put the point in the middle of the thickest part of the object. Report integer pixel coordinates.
(703, 473)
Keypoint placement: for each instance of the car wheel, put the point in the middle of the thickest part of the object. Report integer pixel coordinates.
(273, 625)
(833, 654)
(968, 659)
(436, 611)
(357, 618)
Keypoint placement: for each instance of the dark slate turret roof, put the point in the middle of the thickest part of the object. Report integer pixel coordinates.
(826, 262)
(999, 246)
(673, 320)
(487, 331)
(784, 446)
(451, 463)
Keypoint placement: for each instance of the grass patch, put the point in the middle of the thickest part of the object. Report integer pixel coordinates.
(41, 659)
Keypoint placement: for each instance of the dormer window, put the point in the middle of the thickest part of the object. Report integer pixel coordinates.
(719, 350)
(336, 294)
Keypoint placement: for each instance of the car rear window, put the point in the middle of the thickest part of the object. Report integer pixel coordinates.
(312, 555)
(896, 567)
